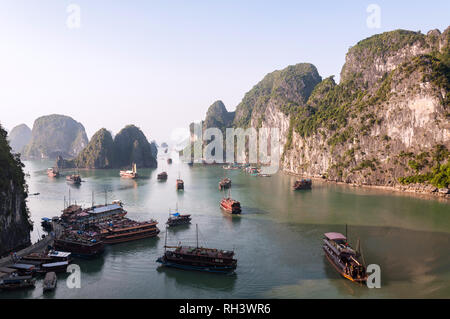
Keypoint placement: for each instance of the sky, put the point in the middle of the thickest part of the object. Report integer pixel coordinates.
(161, 64)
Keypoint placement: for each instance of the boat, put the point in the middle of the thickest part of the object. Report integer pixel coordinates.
(198, 258)
(169, 161)
(347, 262)
(46, 257)
(24, 269)
(50, 281)
(75, 215)
(52, 172)
(302, 184)
(176, 219)
(17, 282)
(46, 224)
(130, 173)
(224, 183)
(79, 245)
(74, 179)
(124, 229)
(230, 205)
(162, 176)
(180, 184)
(60, 266)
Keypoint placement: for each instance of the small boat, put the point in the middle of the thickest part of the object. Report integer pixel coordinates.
(224, 183)
(303, 184)
(52, 172)
(74, 179)
(60, 266)
(124, 229)
(17, 282)
(264, 175)
(24, 269)
(130, 173)
(162, 176)
(175, 219)
(50, 281)
(198, 258)
(169, 161)
(344, 258)
(180, 184)
(46, 224)
(230, 205)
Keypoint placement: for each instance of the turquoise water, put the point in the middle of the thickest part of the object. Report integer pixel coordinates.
(277, 239)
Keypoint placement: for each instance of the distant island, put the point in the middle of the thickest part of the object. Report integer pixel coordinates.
(129, 146)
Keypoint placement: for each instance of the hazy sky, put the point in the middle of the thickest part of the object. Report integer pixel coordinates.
(160, 64)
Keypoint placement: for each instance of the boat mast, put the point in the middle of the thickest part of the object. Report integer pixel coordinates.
(165, 241)
(196, 228)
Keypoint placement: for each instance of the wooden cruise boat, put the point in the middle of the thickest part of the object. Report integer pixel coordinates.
(347, 262)
(302, 184)
(130, 173)
(52, 172)
(224, 183)
(124, 229)
(74, 179)
(75, 215)
(176, 219)
(230, 205)
(198, 258)
(17, 282)
(162, 176)
(50, 281)
(79, 245)
(180, 184)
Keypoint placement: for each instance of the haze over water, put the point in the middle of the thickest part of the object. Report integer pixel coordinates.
(277, 239)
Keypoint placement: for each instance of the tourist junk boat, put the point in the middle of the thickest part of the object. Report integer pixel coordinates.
(302, 184)
(180, 184)
(162, 176)
(230, 205)
(175, 219)
(224, 183)
(169, 161)
(79, 245)
(130, 173)
(50, 281)
(17, 282)
(124, 229)
(344, 258)
(198, 258)
(75, 215)
(52, 172)
(74, 179)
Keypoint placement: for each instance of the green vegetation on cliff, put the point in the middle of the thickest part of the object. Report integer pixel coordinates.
(99, 153)
(54, 135)
(14, 218)
(288, 88)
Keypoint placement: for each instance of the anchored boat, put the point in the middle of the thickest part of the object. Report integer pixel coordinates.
(52, 172)
(50, 281)
(302, 184)
(130, 173)
(348, 262)
(224, 183)
(175, 219)
(17, 282)
(180, 184)
(198, 258)
(162, 176)
(230, 205)
(74, 179)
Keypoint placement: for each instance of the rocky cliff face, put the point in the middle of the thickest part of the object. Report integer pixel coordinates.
(99, 153)
(19, 137)
(387, 119)
(385, 123)
(55, 135)
(14, 222)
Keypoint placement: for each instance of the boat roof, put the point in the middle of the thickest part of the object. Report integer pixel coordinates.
(335, 236)
(106, 208)
(15, 279)
(61, 263)
(22, 266)
(45, 219)
(7, 270)
(61, 254)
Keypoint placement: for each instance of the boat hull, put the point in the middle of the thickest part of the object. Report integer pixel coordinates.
(211, 269)
(332, 260)
(112, 241)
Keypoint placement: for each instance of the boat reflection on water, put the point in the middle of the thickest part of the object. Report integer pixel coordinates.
(200, 280)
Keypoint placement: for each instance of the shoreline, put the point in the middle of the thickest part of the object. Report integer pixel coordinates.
(415, 190)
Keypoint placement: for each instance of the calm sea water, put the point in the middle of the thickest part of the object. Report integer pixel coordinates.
(277, 239)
